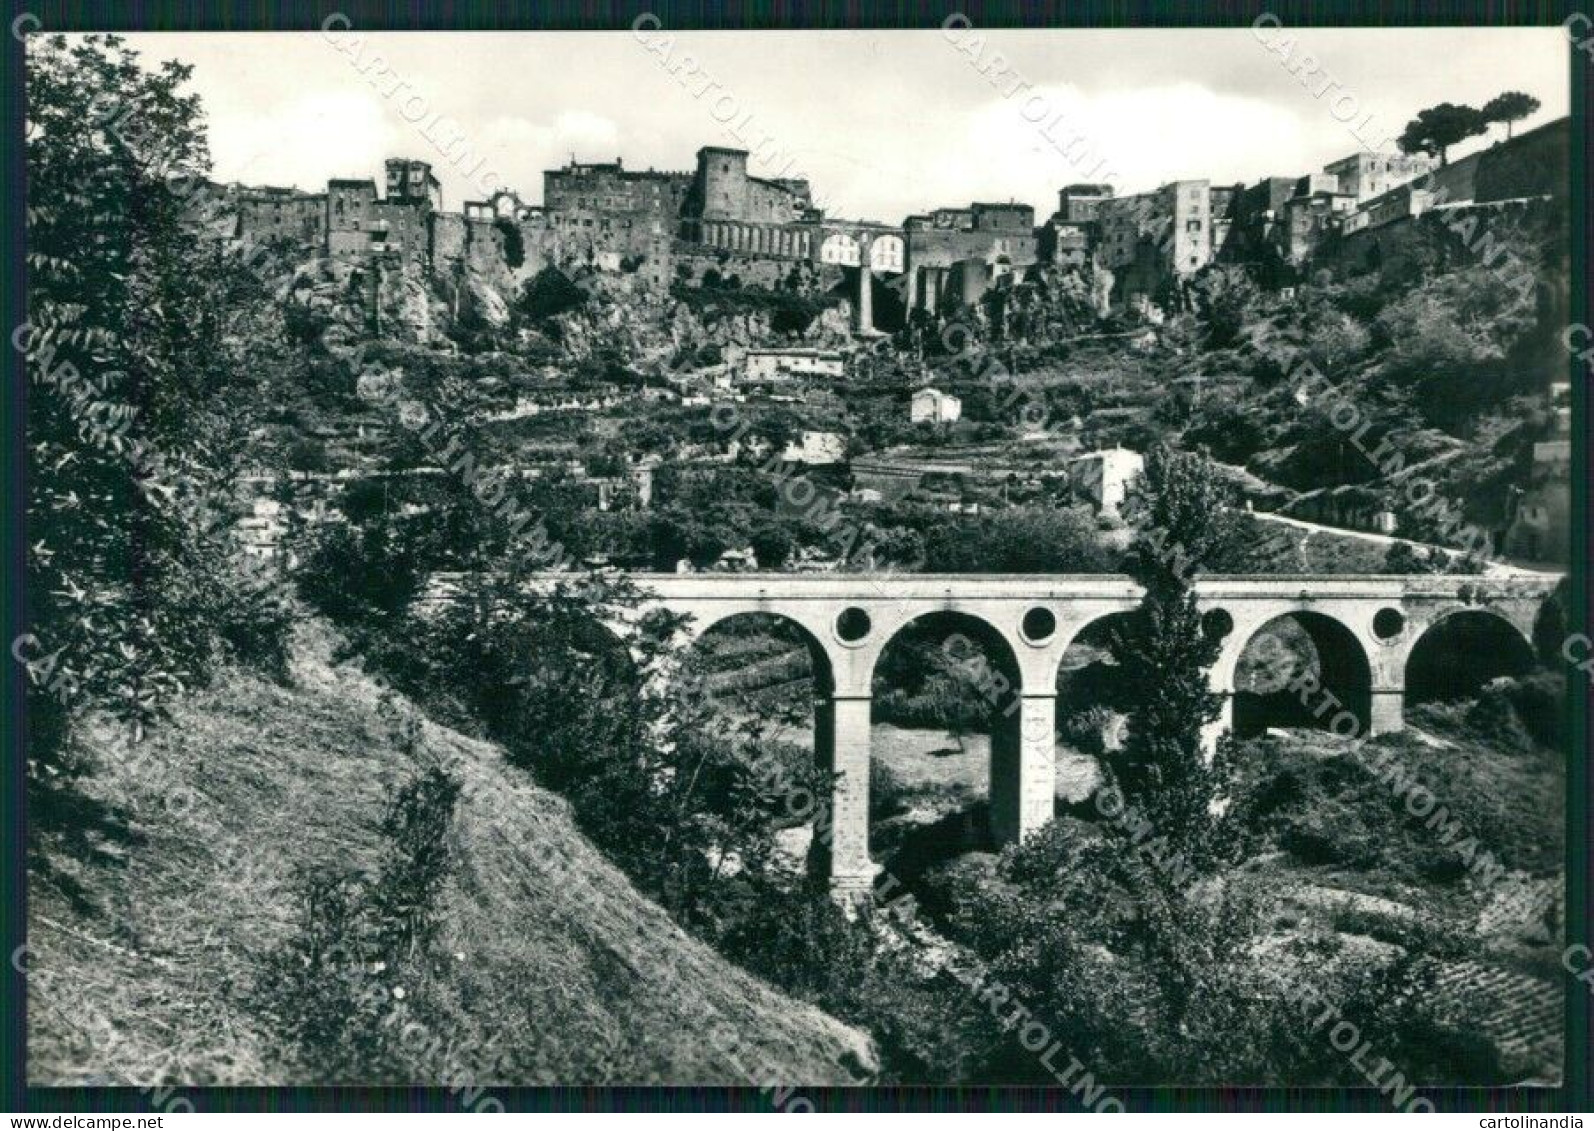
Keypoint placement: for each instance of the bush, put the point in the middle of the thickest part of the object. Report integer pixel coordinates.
(1017, 540)
(549, 293)
(358, 972)
(1539, 700)
(514, 244)
(926, 1027)
(256, 625)
(354, 575)
(308, 454)
(1087, 730)
(1147, 979)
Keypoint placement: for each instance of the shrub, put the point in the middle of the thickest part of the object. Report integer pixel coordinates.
(1539, 700)
(549, 293)
(256, 624)
(925, 1025)
(356, 974)
(353, 574)
(514, 244)
(1087, 730)
(307, 454)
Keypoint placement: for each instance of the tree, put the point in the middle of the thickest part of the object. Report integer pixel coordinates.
(1227, 299)
(1509, 107)
(1434, 130)
(550, 293)
(150, 345)
(1163, 650)
(1335, 341)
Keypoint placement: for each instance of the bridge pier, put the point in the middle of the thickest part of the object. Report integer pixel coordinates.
(841, 735)
(1024, 769)
(1386, 710)
(865, 293)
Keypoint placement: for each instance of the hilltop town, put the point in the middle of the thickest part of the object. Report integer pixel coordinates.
(669, 632)
(942, 360)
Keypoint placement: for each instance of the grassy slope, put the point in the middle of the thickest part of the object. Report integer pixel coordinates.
(149, 941)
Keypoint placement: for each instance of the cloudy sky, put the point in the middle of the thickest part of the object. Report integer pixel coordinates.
(883, 123)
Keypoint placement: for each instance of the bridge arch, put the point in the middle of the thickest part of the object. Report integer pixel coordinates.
(752, 646)
(886, 254)
(1303, 669)
(841, 249)
(1087, 677)
(1462, 649)
(772, 672)
(958, 670)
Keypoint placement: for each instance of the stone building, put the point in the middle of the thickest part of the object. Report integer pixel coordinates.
(1255, 216)
(351, 217)
(412, 182)
(1080, 204)
(1317, 208)
(954, 254)
(722, 189)
(1364, 175)
(612, 189)
(598, 208)
(1153, 240)
(267, 213)
(1070, 237)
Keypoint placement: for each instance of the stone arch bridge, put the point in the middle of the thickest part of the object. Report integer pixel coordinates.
(1367, 624)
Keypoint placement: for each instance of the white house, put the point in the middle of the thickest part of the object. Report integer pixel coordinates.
(934, 406)
(1104, 476)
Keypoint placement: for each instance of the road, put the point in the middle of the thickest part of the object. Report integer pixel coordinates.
(1494, 568)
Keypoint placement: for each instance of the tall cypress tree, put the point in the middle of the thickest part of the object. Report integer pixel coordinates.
(1164, 653)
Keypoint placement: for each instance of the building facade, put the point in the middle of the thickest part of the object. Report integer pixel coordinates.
(932, 406)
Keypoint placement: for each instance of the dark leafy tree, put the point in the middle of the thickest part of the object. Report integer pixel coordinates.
(1509, 107)
(147, 342)
(1434, 130)
(549, 293)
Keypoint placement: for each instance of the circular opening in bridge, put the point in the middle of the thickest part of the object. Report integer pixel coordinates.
(1217, 623)
(1388, 623)
(1039, 624)
(852, 625)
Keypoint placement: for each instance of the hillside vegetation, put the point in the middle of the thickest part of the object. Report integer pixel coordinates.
(159, 928)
